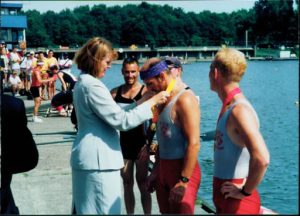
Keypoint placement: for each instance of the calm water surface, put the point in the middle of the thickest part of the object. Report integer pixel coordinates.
(273, 89)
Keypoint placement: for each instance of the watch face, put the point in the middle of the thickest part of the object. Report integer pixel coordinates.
(184, 179)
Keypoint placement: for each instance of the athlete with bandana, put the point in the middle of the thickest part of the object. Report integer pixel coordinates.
(176, 175)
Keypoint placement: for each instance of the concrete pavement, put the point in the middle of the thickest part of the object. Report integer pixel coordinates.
(47, 189)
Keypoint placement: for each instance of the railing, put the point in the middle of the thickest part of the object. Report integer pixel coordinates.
(145, 49)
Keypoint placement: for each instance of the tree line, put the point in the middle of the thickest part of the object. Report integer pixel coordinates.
(268, 23)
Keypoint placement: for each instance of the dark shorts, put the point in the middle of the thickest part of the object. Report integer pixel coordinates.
(28, 77)
(35, 92)
(62, 98)
(131, 142)
(22, 73)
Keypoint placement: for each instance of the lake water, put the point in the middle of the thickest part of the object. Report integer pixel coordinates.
(273, 89)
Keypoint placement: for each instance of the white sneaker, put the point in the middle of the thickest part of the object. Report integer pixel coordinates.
(37, 119)
(17, 95)
(63, 113)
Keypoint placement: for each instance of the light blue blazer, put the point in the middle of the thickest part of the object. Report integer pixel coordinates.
(97, 144)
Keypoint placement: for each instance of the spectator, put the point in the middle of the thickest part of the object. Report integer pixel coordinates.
(35, 90)
(15, 83)
(44, 74)
(15, 60)
(23, 68)
(51, 59)
(29, 67)
(63, 98)
(65, 64)
(19, 152)
(4, 65)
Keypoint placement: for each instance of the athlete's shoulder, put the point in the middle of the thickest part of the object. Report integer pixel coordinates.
(188, 97)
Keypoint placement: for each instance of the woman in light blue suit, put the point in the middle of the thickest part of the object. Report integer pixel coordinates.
(96, 157)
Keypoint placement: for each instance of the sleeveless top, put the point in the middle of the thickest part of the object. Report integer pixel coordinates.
(231, 161)
(132, 140)
(34, 81)
(170, 137)
(69, 78)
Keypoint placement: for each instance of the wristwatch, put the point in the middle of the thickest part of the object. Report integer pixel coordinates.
(184, 179)
(242, 191)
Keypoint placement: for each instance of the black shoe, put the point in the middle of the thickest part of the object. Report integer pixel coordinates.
(22, 92)
(29, 96)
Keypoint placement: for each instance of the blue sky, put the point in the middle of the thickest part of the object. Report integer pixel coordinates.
(195, 6)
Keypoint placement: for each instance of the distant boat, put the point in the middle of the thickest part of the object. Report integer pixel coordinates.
(270, 58)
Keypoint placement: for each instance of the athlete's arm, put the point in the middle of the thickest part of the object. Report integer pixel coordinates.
(113, 92)
(39, 78)
(188, 117)
(63, 83)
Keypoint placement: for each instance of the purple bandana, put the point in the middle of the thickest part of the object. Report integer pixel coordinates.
(154, 71)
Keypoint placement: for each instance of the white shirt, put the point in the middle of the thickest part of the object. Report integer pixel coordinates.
(65, 65)
(14, 57)
(23, 62)
(29, 64)
(14, 80)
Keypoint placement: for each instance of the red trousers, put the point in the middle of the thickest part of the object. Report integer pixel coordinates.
(168, 177)
(247, 205)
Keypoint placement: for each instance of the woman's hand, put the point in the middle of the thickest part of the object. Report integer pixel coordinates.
(147, 95)
(159, 98)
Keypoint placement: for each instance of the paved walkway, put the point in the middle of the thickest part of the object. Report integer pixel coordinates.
(47, 188)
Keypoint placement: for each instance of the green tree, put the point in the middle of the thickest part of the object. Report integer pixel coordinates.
(242, 21)
(36, 34)
(83, 19)
(268, 22)
(50, 23)
(275, 22)
(66, 28)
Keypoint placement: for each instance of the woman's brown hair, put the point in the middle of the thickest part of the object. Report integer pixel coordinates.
(89, 57)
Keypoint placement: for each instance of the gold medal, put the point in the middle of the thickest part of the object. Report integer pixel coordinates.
(153, 126)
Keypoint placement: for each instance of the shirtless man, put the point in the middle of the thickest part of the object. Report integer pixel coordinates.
(133, 140)
(240, 153)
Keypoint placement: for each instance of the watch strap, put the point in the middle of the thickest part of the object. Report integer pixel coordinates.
(184, 179)
(242, 191)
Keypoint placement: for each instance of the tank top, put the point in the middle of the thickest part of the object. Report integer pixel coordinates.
(135, 135)
(231, 161)
(120, 99)
(69, 78)
(170, 137)
(34, 81)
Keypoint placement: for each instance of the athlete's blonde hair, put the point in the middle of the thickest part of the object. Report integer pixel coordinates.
(231, 63)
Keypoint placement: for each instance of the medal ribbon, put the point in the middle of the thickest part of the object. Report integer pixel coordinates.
(228, 99)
